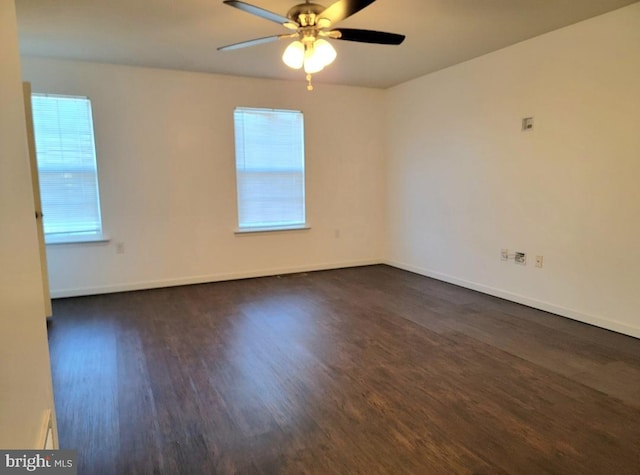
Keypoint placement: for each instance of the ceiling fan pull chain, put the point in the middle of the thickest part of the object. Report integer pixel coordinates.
(309, 85)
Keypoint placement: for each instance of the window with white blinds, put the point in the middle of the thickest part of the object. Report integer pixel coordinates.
(65, 152)
(270, 169)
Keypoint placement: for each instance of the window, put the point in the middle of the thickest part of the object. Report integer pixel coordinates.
(65, 152)
(270, 169)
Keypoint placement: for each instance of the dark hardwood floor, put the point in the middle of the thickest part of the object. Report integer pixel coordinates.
(367, 370)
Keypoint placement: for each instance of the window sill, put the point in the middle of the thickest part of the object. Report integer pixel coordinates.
(272, 229)
(76, 239)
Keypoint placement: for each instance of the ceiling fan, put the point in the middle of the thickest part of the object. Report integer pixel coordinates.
(311, 26)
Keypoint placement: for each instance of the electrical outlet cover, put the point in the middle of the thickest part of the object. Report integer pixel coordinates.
(527, 124)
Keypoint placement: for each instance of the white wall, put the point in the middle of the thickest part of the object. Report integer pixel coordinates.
(25, 377)
(165, 148)
(464, 181)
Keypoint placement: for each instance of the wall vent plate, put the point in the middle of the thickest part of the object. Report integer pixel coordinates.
(527, 124)
(521, 258)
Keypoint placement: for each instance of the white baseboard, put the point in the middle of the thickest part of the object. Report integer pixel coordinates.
(597, 321)
(203, 279)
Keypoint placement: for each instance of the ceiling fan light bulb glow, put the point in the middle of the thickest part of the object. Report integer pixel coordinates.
(326, 53)
(294, 55)
(312, 66)
(312, 61)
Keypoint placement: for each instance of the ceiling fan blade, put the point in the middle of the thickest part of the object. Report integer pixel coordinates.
(368, 36)
(261, 12)
(257, 41)
(342, 9)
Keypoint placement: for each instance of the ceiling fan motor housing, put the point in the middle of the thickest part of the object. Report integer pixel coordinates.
(305, 14)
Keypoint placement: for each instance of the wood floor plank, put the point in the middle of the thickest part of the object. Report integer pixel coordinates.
(365, 370)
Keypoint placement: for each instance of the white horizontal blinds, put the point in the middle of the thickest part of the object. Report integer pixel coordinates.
(269, 167)
(65, 151)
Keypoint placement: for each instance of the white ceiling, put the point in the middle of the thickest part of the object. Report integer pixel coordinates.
(184, 34)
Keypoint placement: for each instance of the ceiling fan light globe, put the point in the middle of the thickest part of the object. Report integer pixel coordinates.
(312, 62)
(312, 67)
(294, 55)
(325, 51)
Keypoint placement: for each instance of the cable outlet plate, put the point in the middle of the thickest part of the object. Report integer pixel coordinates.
(521, 258)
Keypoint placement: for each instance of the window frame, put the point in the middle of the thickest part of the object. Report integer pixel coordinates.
(275, 227)
(71, 237)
